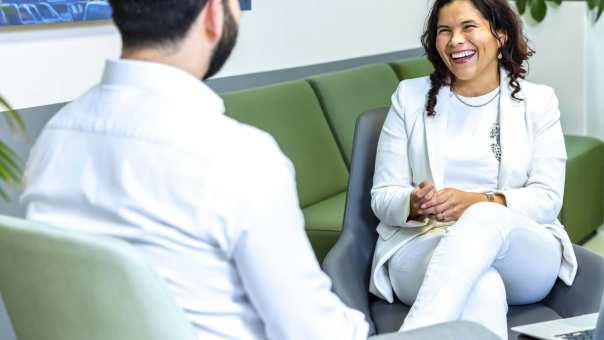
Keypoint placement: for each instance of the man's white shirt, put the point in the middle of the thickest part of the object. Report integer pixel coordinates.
(148, 156)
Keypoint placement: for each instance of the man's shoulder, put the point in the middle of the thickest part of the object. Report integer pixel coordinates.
(72, 110)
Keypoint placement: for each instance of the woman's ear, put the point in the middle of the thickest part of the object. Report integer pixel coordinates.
(502, 38)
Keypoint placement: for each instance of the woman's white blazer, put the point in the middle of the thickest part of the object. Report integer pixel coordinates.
(411, 150)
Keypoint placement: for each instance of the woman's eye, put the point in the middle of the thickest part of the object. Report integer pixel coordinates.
(469, 27)
(444, 30)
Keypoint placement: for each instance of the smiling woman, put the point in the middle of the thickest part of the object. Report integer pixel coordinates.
(491, 44)
(469, 176)
(469, 48)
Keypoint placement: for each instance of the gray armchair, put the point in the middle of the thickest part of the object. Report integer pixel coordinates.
(349, 261)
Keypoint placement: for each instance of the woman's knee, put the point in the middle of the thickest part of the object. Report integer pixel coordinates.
(530, 265)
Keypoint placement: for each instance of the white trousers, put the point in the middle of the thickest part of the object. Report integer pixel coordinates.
(489, 258)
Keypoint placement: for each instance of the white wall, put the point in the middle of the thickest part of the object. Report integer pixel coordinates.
(594, 71)
(560, 59)
(40, 66)
(278, 35)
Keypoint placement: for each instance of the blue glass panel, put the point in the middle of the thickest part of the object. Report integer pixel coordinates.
(31, 12)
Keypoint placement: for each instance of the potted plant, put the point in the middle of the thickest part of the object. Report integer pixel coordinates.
(538, 8)
(11, 167)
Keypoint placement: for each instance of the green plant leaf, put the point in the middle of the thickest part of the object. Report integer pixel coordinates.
(10, 162)
(600, 9)
(521, 5)
(13, 119)
(11, 167)
(557, 2)
(538, 10)
(5, 176)
(591, 4)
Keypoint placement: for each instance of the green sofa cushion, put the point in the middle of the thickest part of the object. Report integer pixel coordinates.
(582, 211)
(291, 113)
(345, 95)
(323, 223)
(412, 68)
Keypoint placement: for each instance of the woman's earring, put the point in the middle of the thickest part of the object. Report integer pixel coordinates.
(500, 56)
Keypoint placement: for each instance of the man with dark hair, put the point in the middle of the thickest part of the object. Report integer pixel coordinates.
(147, 156)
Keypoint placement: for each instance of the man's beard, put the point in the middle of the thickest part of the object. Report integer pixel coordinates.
(225, 45)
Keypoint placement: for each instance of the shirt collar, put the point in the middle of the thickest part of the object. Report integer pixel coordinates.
(162, 79)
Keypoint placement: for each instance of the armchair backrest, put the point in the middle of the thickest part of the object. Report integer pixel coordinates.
(349, 262)
(359, 219)
(62, 286)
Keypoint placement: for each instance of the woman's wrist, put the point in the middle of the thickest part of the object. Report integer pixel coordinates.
(493, 197)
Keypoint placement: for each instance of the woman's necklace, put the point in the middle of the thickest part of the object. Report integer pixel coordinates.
(479, 105)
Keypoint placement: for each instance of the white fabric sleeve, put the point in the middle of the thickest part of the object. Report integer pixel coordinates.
(392, 183)
(541, 197)
(279, 270)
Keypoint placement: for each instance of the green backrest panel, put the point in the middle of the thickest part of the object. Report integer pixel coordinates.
(582, 211)
(412, 68)
(347, 94)
(60, 286)
(291, 113)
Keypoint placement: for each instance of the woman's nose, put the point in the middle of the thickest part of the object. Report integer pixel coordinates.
(457, 38)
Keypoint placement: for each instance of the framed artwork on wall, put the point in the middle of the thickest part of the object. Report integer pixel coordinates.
(246, 5)
(32, 12)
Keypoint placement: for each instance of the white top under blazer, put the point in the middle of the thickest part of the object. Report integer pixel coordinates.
(412, 148)
(472, 154)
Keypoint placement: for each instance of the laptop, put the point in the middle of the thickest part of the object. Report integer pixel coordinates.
(6, 328)
(583, 327)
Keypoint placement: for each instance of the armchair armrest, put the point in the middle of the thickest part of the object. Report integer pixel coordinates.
(347, 266)
(585, 295)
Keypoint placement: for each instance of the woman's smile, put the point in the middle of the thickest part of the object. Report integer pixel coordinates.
(463, 57)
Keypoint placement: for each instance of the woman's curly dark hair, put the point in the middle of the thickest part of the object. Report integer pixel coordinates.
(515, 51)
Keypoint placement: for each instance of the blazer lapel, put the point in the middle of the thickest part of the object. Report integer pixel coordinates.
(436, 136)
(511, 122)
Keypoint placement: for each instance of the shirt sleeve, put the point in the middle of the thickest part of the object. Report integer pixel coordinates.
(278, 267)
(392, 183)
(541, 197)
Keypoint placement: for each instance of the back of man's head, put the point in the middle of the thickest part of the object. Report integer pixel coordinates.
(153, 23)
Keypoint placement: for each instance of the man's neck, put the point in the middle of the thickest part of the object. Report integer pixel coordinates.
(167, 56)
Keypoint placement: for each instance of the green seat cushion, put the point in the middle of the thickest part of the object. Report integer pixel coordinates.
(291, 113)
(412, 68)
(324, 222)
(582, 211)
(345, 95)
(61, 285)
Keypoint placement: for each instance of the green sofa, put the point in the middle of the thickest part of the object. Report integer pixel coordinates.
(313, 121)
